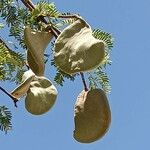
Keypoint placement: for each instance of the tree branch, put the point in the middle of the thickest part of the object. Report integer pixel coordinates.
(12, 97)
(1, 88)
(63, 16)
(28, 4)
(69, 16)
(1, 41)
(83, 80)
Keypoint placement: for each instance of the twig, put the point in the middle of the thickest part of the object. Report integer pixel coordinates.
(54, 32)
(1, 41)
(69, 16)
(13, 98)
(27, 3)
(83, 80)
(30, 3)
(63, 16)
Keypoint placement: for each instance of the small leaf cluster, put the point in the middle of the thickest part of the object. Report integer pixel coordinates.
(45, 9)
(15, 18)
(98, 77)
(5, 119)
(11, 64)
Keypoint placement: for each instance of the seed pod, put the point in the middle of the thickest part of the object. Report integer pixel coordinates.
(22, 89)
(76, 50)
(36, 42)
(27, 75)
(41, 96)
(92, 116)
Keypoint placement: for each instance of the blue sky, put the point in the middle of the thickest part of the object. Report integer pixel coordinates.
(129, 22)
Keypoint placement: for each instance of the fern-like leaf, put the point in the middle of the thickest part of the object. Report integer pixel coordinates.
(66, 22)
(61, 76)
(5, 119)
(44, 8)
(11, 62)
(106, 37)
(99, 79)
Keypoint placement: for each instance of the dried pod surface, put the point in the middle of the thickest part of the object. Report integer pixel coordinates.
(41, 96)
(76, 50)
(22, 89)
(36, 42)
(92, 116)
(27, 75)
(34, 65)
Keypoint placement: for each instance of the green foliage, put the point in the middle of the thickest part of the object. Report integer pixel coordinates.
(65, 22)
(106, 37)
(16, 18)
(10, 63)
(45, 9)
(98, 77)
(60, 75)
(5, 119)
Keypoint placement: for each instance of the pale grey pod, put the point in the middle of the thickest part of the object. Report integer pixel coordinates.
(27, 75)
(22, 89)
(36, 42)
(41, 96)
(76, 50)
(92, 116)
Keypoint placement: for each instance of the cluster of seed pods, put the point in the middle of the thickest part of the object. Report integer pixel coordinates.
(75, 50)
(40, 92)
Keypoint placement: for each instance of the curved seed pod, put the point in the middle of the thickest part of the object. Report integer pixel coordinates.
(36, 42)
(22, 89)
(41, 96)
(76, 50)
(37, 69)
(92, 116)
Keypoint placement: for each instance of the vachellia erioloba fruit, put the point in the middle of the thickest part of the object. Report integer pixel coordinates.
(92, 116)
(40, 93)
(36, 42)
(41, 96)
(76, 50)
